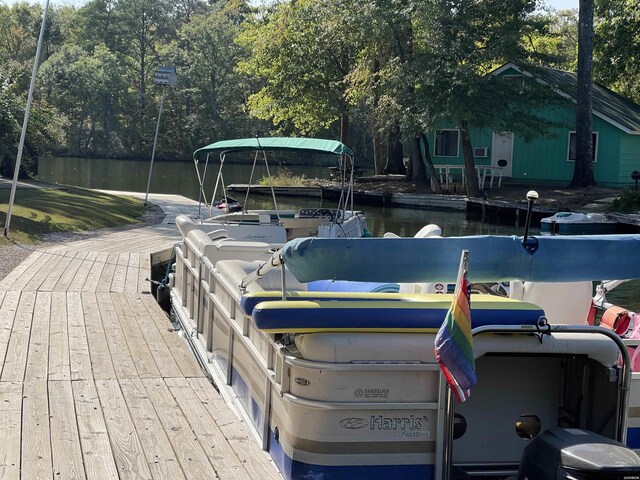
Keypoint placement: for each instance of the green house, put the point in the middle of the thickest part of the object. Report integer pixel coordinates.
(550, 159)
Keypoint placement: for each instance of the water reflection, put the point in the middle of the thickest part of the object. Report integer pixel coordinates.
(180, 178)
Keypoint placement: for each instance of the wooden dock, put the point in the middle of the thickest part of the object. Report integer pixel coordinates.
(96, 384)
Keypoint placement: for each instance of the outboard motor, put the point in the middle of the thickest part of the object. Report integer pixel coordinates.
(572, 453)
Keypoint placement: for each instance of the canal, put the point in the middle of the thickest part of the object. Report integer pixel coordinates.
(180, 178)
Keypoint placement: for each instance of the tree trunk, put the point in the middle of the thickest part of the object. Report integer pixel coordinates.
(394, 165)
(417, 172)
(377, 153)
(435, 179)
(344, 128)
(378, 161)
(473, 189)
(583, 168)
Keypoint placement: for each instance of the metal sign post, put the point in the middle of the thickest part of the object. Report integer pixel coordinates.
(25, 122)
(165, 76)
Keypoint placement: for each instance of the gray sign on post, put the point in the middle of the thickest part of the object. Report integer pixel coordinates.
(165, 76)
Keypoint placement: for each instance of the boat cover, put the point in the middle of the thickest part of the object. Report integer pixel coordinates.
(345, 286)
(313, 145)
(491, 258)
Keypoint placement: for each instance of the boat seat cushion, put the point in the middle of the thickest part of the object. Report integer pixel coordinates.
(383, 312)
(349, 347)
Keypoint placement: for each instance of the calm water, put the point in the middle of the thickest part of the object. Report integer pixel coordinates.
(180, 178)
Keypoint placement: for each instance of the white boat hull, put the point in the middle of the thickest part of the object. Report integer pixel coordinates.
(373, 405)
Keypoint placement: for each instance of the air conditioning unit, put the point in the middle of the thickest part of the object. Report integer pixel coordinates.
(481, 152)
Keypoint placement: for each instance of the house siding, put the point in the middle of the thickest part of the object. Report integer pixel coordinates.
(545, 159)
(629, 158)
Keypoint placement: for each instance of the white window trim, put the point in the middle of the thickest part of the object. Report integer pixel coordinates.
(595, 147)
(435, 139)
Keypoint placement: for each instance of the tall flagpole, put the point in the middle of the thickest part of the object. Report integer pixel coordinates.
(16, 171)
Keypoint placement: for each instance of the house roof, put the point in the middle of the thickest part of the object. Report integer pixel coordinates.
(607, 104)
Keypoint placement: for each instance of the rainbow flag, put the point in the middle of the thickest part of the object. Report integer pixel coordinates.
(454, 343)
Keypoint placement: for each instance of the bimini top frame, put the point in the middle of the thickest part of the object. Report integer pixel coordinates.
(279, 144)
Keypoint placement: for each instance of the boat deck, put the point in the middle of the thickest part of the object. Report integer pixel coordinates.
(96, 384)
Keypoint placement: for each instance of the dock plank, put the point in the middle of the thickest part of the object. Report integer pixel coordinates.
(120, 273)
(36, 435)
(82, 273)
(133, 272)
(95, 273)
(10, 429)
(122, 359)
(68, 274)
(38, 365)
(56, 273)
(101, 364)
(8, 312)
(59, 361)
(166, 364)
(46, 265)
(144, 273)
(79, 357)
(65, 439)
(94, 440)
(154, 440)
(106, 275)
(182, 356)
(256, 461)
(15, 360)
(195, 463)
(143, 358)
(125, 442)
(225, 461)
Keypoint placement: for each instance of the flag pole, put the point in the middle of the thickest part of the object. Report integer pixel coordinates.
(25, 122)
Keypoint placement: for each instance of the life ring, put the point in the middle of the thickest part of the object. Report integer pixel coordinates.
(617, 319)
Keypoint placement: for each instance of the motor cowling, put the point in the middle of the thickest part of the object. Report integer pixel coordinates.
(576, 454)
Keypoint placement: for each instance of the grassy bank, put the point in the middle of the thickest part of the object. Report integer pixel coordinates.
(38, 211)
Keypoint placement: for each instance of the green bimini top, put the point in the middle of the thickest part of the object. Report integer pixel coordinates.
(312, 145)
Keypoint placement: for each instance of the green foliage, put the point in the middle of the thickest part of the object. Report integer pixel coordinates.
(616, 45)
(295, 67)
(628, 201)
(302, 51)
(90, 90)
(206, 55)
(552, 39)
(43, 132)
(283, 178)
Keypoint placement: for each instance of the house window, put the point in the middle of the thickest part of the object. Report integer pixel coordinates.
(572, 146)
(447, 143)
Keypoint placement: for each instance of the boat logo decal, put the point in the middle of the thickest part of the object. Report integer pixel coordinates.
(371, 393)
(353, 423)
(380, 422)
